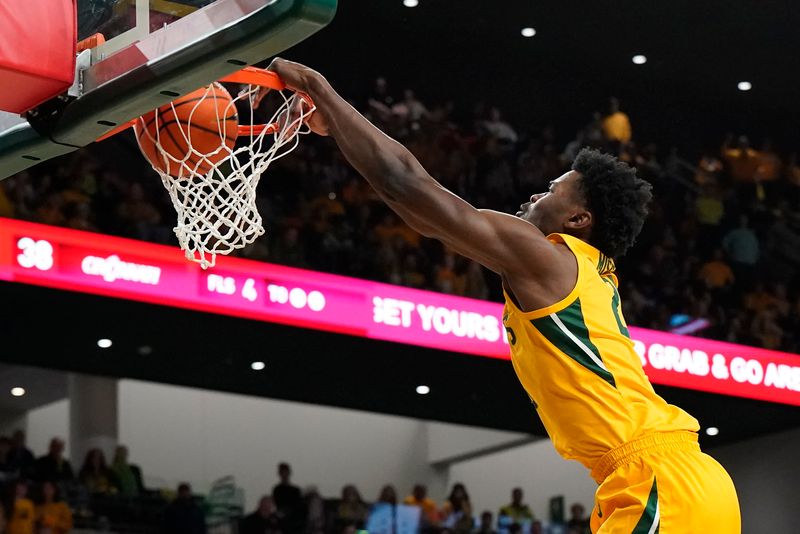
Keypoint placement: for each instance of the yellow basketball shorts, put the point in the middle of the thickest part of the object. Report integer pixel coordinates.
(662, 483)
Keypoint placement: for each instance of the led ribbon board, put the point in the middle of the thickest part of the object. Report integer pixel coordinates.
(122, 268)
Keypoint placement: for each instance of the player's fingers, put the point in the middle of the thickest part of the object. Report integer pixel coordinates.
(276, 64)
(262, 92)
(294, 75)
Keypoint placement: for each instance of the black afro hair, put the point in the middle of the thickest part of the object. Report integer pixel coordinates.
(616, 197)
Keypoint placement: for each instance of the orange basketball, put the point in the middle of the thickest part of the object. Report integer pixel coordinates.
(204, 120)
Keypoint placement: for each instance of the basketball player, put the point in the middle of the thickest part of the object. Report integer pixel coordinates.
(570, 345)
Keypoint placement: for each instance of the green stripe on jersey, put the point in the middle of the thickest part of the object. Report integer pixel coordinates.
(615, 307)
(568, 332)
(651, 518)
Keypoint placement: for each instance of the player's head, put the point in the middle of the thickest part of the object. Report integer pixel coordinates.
(601, 200)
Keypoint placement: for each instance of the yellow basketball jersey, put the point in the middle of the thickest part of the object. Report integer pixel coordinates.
(576, 361)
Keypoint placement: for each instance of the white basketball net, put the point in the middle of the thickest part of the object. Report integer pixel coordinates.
(217, 209)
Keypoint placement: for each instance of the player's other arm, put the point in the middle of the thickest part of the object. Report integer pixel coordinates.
(500, 242)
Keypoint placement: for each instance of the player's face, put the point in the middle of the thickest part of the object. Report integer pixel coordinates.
(550, 211)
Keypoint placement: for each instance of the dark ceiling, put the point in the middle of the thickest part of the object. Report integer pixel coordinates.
(58, 329)
(471, 50)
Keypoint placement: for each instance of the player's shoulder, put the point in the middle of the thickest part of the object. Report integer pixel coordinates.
(529, 252)
(511, 226)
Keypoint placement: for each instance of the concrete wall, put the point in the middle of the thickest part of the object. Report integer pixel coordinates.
(765, 472)
(535, 467)
(199, 436)
(46, 422)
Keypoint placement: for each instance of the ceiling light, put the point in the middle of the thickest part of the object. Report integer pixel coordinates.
(258, 366)
(528, 32)
(639, 59)
(145, 350)
(104, 343)
(744, 86)
(410, 3)
(712, 431)
(423, 390)
(18, 391)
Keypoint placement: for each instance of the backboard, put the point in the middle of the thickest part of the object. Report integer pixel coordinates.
(154, 51)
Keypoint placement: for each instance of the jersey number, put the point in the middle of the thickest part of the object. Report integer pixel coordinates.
(512, 337)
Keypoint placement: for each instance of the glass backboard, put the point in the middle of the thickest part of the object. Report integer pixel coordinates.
(142, 31)
(154, 51)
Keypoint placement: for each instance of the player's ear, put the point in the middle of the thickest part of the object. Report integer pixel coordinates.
(580, 219)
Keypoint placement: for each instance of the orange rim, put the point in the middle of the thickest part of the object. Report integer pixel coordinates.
(264, 78)
(256, 76)
(248, 75)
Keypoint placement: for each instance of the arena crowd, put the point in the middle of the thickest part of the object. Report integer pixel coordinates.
(717, 257)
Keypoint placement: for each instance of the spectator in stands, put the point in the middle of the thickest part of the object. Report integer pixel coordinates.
(50, 211)
(288, 249)
(380, 94)
(709, 213)
(183, 515)
(128, 476)
(314, 506)
(53, 466)
(741, 160)
(499, 129)
(264, 520)
(485, 526)
(19, 509)
(791, 177)
(409, 109)
(7, 468)
(388, 495)
(21, 456)
(137, 215)
(715, 273)
(616, 125)
(769, 165)
(96, 475)
(457, 510)
(53, 516)
(352, 510)
(419, 497)
(781, 302)
(289, 500)
(77, 216)
(7, 208)
(514, 512)
(446, 279)
(708, 169)
(741, 246)
(578, 521)
(766, 328)
(759, 298)
(327, 220)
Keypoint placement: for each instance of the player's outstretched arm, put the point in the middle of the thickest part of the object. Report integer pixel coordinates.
(500, 242)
